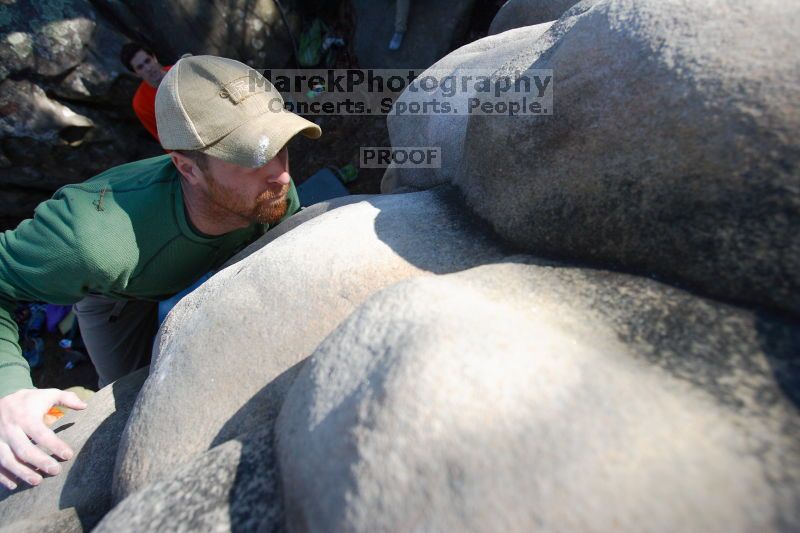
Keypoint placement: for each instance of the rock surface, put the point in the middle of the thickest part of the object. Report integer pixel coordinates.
(251, 31)
(236, 329)
(523, 397)
(672, 149)
(434, 28)
(689, 172)
(232, 487)
(85, 481)
(519, 13)
(64, 521)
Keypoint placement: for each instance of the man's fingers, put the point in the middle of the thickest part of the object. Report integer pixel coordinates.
(10, 463)
(5, 479)
(71, 400)
(30, 454)
(44, 436)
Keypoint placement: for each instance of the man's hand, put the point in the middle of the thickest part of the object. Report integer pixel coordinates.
(22, 419)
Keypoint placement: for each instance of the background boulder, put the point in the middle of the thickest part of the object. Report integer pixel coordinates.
(532, 396)
(64, 102)
(252, 31)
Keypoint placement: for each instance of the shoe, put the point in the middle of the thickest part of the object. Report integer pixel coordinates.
(397, 40)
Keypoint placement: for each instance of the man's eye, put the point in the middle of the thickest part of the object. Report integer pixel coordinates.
(147, 61)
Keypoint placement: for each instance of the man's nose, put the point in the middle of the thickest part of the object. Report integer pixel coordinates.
(280, 178)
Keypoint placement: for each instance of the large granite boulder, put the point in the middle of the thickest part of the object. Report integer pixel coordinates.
(531, 396)
(519, 13)
(672, 148)
(85, 481)
(237, 333)
(434, 28)
(665, 153)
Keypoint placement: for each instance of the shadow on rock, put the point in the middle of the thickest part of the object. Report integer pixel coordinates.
(88, 483)
(235, 485)
(781, 344)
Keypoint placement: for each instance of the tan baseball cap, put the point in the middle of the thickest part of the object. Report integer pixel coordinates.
(225, 109)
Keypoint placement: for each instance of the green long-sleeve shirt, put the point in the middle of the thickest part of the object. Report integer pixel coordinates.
(124, 234)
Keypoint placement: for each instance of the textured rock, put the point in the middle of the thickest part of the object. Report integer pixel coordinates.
(28, 112)
(522, 397)
(232, 487)
(85, 481)
(672, 149)
(447, 131)
(518, 13)
(434, 28)
(48, 37)
(64, 521)
(251, 31)
(238, 332)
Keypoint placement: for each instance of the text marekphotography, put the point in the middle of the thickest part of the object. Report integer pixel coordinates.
(428, 92)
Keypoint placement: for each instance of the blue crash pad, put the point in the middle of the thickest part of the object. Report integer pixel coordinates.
(324, 185)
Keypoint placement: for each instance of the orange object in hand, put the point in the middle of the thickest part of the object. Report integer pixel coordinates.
(52, 415)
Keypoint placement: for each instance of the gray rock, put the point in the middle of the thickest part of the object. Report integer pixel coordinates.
(85, 481)
(672, 149)
(447, 131)
(61, 40)
(34, 115)
(434, 28)
(47, 37)
(64, 521)
(250, 31)
(232, 487)
(238, 331)
(519, 397)
(519, 13)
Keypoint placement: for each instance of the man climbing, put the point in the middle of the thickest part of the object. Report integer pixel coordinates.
(140, 232)
(140, 60)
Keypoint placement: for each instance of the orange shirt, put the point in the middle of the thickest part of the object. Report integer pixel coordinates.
(144, 105)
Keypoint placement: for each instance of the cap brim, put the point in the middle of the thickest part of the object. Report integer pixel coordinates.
(256, 142)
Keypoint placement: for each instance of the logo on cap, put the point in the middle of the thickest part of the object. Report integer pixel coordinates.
(237, 90)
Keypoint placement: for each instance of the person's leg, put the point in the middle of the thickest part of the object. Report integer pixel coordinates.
(400, 23)
(401, 15)
(118, 334)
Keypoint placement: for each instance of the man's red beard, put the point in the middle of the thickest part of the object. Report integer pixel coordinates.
(268, 210)
(264, 210)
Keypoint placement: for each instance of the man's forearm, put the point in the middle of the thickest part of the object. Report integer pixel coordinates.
(15, 373)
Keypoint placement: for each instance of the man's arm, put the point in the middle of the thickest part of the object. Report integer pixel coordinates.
(43, 259)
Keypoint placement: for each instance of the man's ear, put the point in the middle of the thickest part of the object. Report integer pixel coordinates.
(187, 167)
